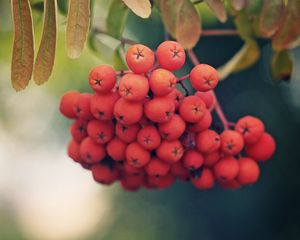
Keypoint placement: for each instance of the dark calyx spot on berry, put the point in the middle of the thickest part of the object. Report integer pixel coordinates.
(134, 161)
(98, 80)
(164, 135)
(139, 53)
(175, 52)
(229, 146)
(196, 173)
(172, 84)
(196, 109)
(128, 91)
(176, 151)
(223, 179)
(124, 128)
(101, 114)
(168, 114)
(208, 82)
(157, 175)
(81, 129)
(245, 130)
(217, 139)
(101, 136)
(78, 110)
(88, 157)
(147, 139)
(121, 118)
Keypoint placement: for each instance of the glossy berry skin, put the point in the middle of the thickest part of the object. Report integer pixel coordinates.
(82, 106)
(133, 87)
(192, 109)
(248, 171)
(205, 181)
(74, 151)
(139, 58)
(148, 137)
(127, 133)
(203, 124)
(192, 159)
(102, 105)
(232, 142)
(176, 96)
(91, 152)
(100, 131)
(136, 155)
(132, 183)
(128, 112)
(207, 97)
(67, 104)
(172, 129)
(131, 170)
(170, 151)
(102, 78)
(208, 141)
(104, 174)
(263, 149)
(251, 128)
(157, 168)
(170, 55)
(210, 159)
(161, 182)
(78, 130)
(204, 77)
(159, 109)
(116, 149)
(178, 170)
(226, 169)
(162, 82)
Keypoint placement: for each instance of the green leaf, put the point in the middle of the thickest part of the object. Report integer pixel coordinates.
(218, 8)
(118, 58)
(182, 21)
(23, 48)
(281, 65)
(45, 58)
(77, 26)
(142, 8)
(62, 6)
(243, 25)
(243, 59)
(270, 17)
(288, 36)
(116, 18)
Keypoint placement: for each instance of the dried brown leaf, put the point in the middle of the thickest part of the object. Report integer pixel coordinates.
(142, 8)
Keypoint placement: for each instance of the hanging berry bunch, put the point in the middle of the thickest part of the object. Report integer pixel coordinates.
(139, 129)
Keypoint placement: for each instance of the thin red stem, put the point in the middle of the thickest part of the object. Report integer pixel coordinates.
(219, 32)
(183, 78)
(217, 105)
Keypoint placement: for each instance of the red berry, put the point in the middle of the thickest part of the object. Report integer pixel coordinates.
(203, 124)
(192, 159)
(157, 168)
(128, 112)
(170, 152)
(148, 137)
(263, 149)
(139, 58)
(161, 182)
(100, 131)
(248, 171)
(116, 149)
(67, 104)
(205, 181)
(73, 151)
(127, 133)
(162, 82)
(208, 141)
(159, 109)
(136, 155)
(207, 97)
(131, 170)
(104, 174)
(78, 130)
(170, 55)
(251, 128)
(176, 96)
(210, 159)
(233, 184)
(226, 169)
(192, 109)
(204, 77)
(132, 183)
(102, 78)
(231, 142)
(91, 152)
(82, 106)
(172, 129)
(133, 87)
(102, 105)
(178, 170)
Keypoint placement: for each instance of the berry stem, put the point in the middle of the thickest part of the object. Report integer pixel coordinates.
(123, 72)
(187, 92)
(219, 32)
(183, 78)
(217, 106)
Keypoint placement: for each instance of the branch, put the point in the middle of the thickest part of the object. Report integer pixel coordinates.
(219, 32)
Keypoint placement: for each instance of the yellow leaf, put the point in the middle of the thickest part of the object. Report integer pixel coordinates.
(23, 51)
(218, 8)
(46, 54)
(77, 26)
(142, 8)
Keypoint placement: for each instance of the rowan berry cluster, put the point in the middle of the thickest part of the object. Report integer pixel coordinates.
(139, 129)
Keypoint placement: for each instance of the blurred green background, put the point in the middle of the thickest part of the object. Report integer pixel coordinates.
(44, 195)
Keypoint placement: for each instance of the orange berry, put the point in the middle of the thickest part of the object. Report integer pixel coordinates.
(102, 78)
(226, 169)
(127, 133)
(67, 104)
(102, 105)
(162, 82)
(133, 87)
(170, 151)
(192, 109)
(176, 97)
(82, 106)
(100, 131)
(207, 97)
(210, 159)
(172, 129)
(148, 137)
(192, 159)
(91, 152)
(204, 77)
(232, 142)
(203, 124)
(136, 155)
(116, 149)
(128, 112)
(205, 181)
(248, 171)
(104, 174)
(78, 130)
(157, 168)
(73, 151)
(208, 141)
